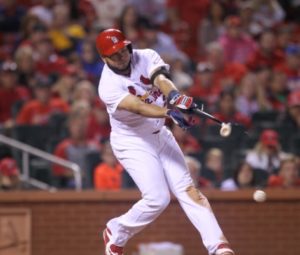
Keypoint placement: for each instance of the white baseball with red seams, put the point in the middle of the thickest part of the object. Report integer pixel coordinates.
(260, 196)
(153, 159)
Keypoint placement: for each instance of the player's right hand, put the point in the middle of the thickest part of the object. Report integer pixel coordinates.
(178, 118)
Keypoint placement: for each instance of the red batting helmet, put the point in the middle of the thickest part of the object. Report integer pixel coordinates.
(109, 41)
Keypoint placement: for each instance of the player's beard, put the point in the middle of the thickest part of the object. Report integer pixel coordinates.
(125, 71)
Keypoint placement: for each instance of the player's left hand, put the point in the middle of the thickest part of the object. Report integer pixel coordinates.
(182, 102)
(178, 118)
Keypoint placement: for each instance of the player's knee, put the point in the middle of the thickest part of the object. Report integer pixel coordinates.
(195, 195)
(164, 200)
(160, 202)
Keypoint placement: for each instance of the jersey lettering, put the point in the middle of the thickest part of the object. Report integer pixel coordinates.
(145, 80)
(132, 90)
(146, 96)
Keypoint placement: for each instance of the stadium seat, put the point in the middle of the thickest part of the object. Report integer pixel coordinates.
(283, 130)
(265, 116)
(127, 182)
(92, 159)
(58, 123)
(295, 144)
(39, 137)
(261, 177)
(35, 135)
(226, 145)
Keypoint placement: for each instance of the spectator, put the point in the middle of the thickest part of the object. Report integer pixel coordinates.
(237, 45)
(192, 13)
(227, 112)
(248, 24)
(91, 64)
(277, 92)
(151, 9)
(284, 35)
(291, 66)
(263, 77)
(32, 29)
(161, 42)
(267, 54)
(47, 61)
(85, 12)
(267, 154)
(288, 175)
(243, 178)
(44, 11)
(37, 111)
(213, 169)
(65, 83)
(9, 174)
(246, 99)
(292, 9)
(36, 38)
(10, 93)
(64, 34)
(128, 23)
(24, 58)
(204, 89)
(291, 116)
(180, 76)
(98, 123)
(269, 13)
(226, 74)
(107, 12)
(74, 148)
(108, 174)
(212, 27)
(195, 169)
(272, 92)
(11, 14)
(179, 30)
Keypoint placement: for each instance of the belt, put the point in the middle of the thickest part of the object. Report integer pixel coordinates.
(156, 132)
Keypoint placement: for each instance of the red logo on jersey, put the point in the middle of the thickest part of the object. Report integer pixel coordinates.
(132, 90)
(145, 80)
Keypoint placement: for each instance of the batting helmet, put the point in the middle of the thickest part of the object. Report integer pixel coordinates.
(109, 41)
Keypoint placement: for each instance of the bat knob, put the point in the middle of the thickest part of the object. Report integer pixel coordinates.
(225, 129)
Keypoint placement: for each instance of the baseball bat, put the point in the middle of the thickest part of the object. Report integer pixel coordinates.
(205, 114)
(200, 111)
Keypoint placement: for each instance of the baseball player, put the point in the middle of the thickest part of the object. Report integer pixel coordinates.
(136, 88)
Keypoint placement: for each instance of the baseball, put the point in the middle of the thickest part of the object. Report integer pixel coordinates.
(259, 196)
(225, 129)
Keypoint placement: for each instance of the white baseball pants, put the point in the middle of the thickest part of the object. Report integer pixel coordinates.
(156, 164)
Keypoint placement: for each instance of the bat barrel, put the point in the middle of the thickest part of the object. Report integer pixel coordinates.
(202, 113)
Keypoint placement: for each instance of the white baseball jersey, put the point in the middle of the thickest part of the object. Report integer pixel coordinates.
(153, 159)
(113, 88)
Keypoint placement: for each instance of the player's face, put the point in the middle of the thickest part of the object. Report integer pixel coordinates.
(119, 60)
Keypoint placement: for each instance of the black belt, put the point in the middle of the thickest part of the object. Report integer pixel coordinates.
(156, 132)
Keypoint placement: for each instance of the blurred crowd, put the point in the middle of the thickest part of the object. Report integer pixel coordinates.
(240, 59)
